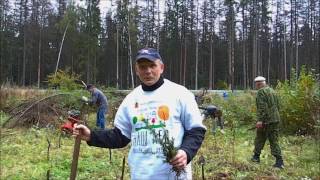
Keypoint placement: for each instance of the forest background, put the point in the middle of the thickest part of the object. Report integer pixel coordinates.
(216, 44)
(47, 46)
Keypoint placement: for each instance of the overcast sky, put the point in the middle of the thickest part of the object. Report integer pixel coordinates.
(105, 6)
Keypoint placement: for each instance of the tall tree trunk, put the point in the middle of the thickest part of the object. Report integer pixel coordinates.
(2, 28)
(152, 24)
(318, 44)
(232, 54)
(254, 43)
(159, 28)
(247, 77)
(184, 49)
(212, 56)
(291, 36)
(314, 27)
(231, 45)
(88, 65)
(244, 70)
(117, 75)
(269, 60)
(254, 53)
(197, 49)
(181, 60)
(24, 60)
(211, 64)
(94, 71)
(284, 44)
(296, 38)
(72, 63)
(285, 52)
(148, 22)
(129, 52)
(230, 59)
(39, 57)
(258, 43)
(185, 62)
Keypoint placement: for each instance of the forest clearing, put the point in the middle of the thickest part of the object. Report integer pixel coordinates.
(148, 72)
(24, 155)
(36, 149)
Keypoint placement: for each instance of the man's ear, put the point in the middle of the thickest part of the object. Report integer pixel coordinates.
(136, 68)
(162, 67)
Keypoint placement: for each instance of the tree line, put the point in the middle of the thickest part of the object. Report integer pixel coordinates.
(204, 43)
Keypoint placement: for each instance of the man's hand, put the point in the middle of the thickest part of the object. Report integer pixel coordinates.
(259, 124)
(180, 160)
(82, 131)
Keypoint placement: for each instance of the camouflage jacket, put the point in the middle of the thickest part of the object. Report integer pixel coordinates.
(267, 105)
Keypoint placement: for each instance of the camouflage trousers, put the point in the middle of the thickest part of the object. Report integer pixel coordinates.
(270, 132)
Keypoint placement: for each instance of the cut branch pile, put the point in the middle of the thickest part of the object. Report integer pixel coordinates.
(40, 112)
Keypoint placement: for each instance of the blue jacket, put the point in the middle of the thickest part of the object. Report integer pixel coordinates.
(98, 98)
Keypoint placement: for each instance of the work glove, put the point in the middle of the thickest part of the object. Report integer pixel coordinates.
(84, 99)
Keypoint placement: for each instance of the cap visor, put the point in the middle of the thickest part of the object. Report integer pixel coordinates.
(145, 56)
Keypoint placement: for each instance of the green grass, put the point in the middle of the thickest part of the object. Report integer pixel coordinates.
(24, 156)
(23, 152)
(3, 117)
(230, 154)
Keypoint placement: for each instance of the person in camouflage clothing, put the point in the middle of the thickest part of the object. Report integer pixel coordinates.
(268, 119)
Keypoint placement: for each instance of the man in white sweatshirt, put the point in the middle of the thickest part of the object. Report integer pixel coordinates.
(158, 104)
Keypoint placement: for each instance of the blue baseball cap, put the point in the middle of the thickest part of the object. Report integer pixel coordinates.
(89, 86)
(148, 53)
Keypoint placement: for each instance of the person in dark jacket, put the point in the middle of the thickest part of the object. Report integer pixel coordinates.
(268, 118)
(215, 113)
(99, 99)
(153, 109)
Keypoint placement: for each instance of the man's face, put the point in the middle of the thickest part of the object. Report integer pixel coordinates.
(91, 90)
(149, 72)
(259, 84)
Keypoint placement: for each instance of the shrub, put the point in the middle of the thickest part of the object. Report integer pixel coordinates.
(241, 109)
(64, 80)
(237, 108)
(221, 85)
(300, 102)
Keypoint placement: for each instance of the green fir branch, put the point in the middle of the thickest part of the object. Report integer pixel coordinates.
(168, 149)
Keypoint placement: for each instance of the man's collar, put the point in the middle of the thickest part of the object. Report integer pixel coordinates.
(154, 86)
